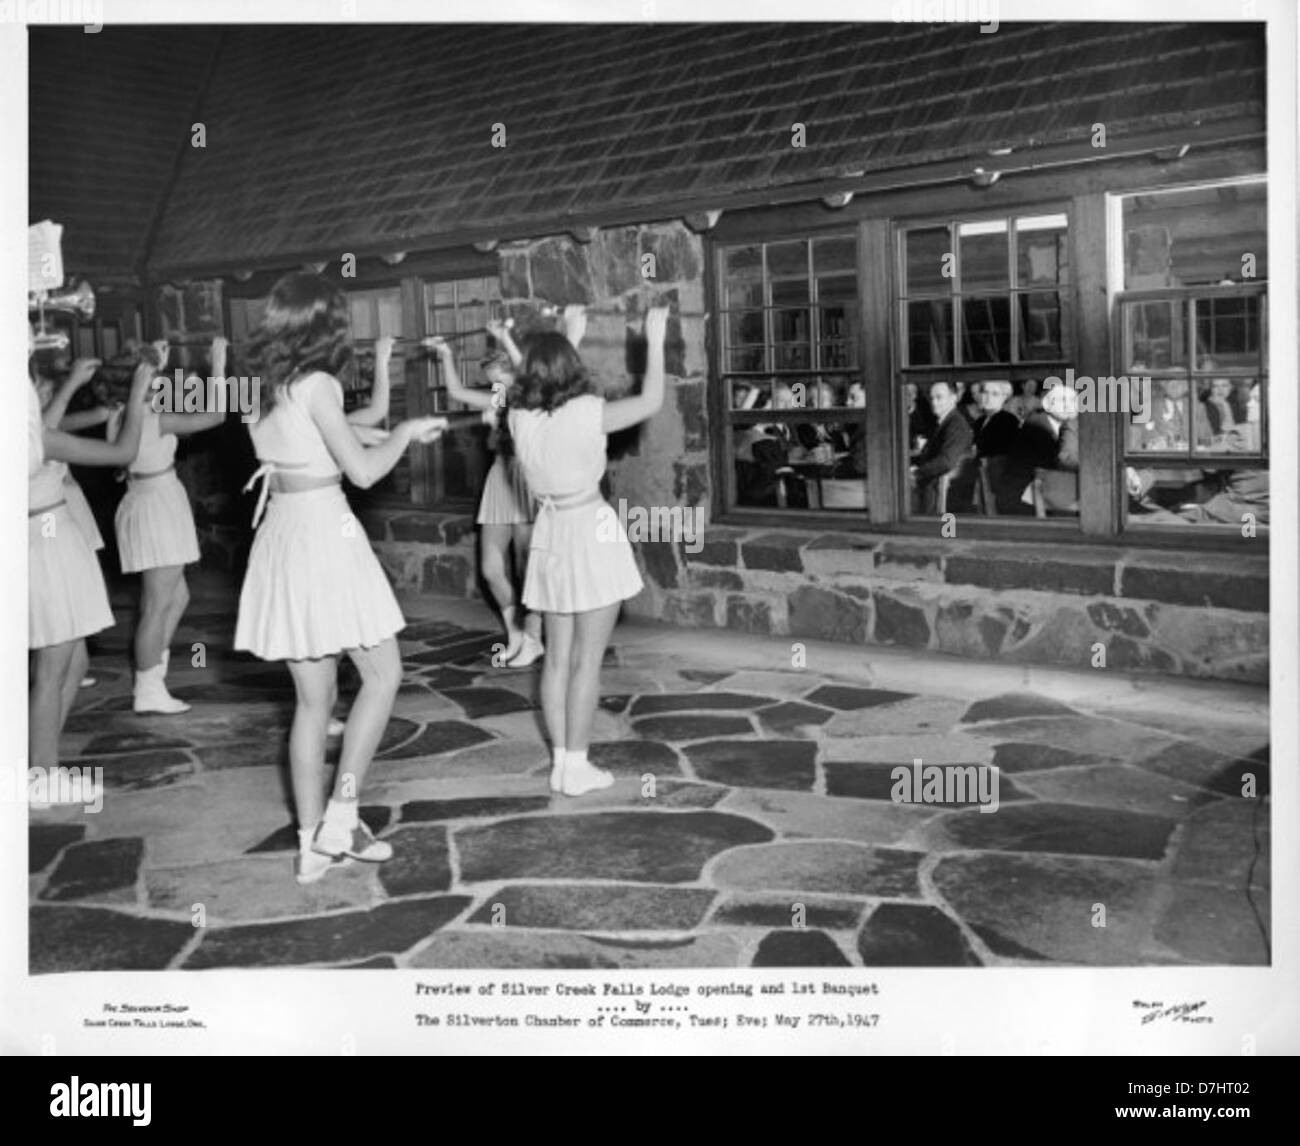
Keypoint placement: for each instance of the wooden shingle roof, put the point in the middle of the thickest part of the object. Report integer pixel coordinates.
(108, 113)
(368, 139)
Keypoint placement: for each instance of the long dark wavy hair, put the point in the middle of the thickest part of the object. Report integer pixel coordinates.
(551, 374)
(305, 329)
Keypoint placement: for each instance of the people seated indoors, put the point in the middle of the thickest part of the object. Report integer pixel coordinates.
(944, 451)
(920, 420)
(996, 428)
(1225, 496)
(1167, 428)
(969, 402)
(1049, 438)
(1024, 402)
(1216, 416)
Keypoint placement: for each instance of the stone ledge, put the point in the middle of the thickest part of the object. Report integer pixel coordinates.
(1088, 572)
(1239, 583)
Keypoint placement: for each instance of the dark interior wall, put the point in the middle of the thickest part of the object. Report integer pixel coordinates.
(108, 114)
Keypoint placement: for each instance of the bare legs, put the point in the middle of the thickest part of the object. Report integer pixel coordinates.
(555, 677)
(522, 537)
(570, 688)
(381, 676)
(76, 673)
(53, 685)
(493, 556)
(164, 597)
(316, 685)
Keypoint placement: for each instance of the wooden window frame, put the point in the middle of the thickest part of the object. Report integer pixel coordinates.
(1090, 193)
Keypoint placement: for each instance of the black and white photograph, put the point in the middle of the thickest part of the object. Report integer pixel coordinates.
(653, 529)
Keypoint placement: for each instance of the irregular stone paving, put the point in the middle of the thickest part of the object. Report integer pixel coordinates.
(751, 824)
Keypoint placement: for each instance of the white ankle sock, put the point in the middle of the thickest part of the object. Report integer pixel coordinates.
(341, 814)
(557, 757)
(305, 837)
(577, 760)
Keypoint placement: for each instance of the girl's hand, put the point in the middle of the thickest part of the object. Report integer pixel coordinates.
(440, 345)
(83, 369)
(219, 347)
(384, 346)
(423, 430)
(142, 379)
(162, 349)
(370, 435)
(498, 328)
(656, 324)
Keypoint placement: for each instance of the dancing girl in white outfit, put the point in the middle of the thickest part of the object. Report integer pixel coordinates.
(314, 588)
(581, 566)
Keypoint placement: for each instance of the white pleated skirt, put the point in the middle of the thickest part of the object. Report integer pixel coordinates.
(66, 596)
(580, 559)
(155, 525)
(79, 507)
(314, 586)
(506, 498)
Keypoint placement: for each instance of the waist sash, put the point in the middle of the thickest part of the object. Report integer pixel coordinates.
(270, 472)
(548, 505)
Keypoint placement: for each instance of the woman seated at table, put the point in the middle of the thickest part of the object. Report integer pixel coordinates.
(1216, 416)
(1167, 427)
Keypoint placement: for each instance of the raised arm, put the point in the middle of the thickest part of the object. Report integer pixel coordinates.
(575, 324)
(85, 419)
(376, 411)
(182, 424)
(500, 331)
(626, 412)
(457, 391)
(124, 441)
(82, 371)
(365, 465)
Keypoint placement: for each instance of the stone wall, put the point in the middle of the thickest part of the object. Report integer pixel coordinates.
(1077, 607)
(1142, 611)
(617, 275)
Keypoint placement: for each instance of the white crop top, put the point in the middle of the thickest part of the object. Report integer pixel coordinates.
(157, 450)
(562, 452)
(287, 438)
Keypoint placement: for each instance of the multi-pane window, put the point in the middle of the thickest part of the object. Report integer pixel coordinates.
(985, 291)
(789, 355)
(1192, 335)
(459, 311)
(986, 331)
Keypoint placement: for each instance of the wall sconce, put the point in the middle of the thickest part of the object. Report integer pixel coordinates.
(1172, 154)
(583, 235)
(837, 200)
(393, 259)
(486, 246)
(981, 178)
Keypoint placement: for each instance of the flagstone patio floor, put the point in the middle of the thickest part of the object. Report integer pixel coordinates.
(752, 823)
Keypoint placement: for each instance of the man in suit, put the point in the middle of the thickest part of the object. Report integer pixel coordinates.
(945, 450)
